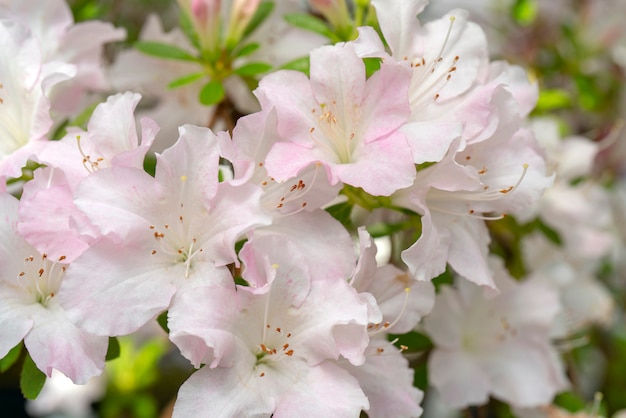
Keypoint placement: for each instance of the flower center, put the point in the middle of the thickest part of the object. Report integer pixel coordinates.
(41, 278)
(332, 134)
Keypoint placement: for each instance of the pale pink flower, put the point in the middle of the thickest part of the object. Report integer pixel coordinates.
(584, 299)
(294, 203)
(341, 120)
(269, 353)
(60, 39)
(25, 83)
(453, 85)
(502, 174)
(49, 219)
(496, 347)
(30, 288)
(386, 377)
(163, 234)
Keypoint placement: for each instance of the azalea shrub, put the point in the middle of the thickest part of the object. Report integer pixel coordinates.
(327, 208)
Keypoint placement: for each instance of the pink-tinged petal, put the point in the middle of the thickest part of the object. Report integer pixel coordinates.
(228, 225)
(525, 373)
(56, 343)
(390, 290)
(343, 86)
(49, 219)
(225, 392)
(458, 379)
(450, 37)
(191, 165)
(107, 292)
(333, 260)
(200, 322)
(260, 271)
(399, 24)
(326, 391)
(430, 141)
(290, 92)
(516, 81)
(427, 257)
(468, 248)
(347, 312)
(369, 44)
(372, 171)
(286, 159)
(118, 201)
(444, 325)
(14, 324)
(252, 139)
(385, 104)
(112, 125)
(387, 381)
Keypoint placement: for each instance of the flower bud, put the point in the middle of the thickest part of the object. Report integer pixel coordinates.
(335, 11)
(240, 15)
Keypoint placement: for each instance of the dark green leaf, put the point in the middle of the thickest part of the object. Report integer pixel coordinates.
(252, 69)
(11, 358)
(413, 341)
(32, 379)
(570, 401)
(310, 23)
(247, 49)
(341, 212)
(162, 320)
(113, 351)
(157, 49)
(212, 93)
(299, 64)
(184, 80)
(262, 12)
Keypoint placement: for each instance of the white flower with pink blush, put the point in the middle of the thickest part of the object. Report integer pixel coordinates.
(386, 377)
(496, 347)
(341, 120)
(162, 235)
(49, 219)
(30, 288)
(270, 354)
(25, 83)
(60, 39)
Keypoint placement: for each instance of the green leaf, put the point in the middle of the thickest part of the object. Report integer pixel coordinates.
(262, 12)
(184, 80)
(570, 401)
(246, 49)
(32, 379)
(550, 99)
(302, 64)
(187, 26)
(341, 212)
(413, 341)
(11, 358)
(212, 93)
(162, 320)
(371, 65)
(310, 23)
(525, 12)
(157, 49)
(113, 351)
(252, 69)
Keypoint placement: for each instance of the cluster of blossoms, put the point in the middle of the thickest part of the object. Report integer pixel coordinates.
(252, 243)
